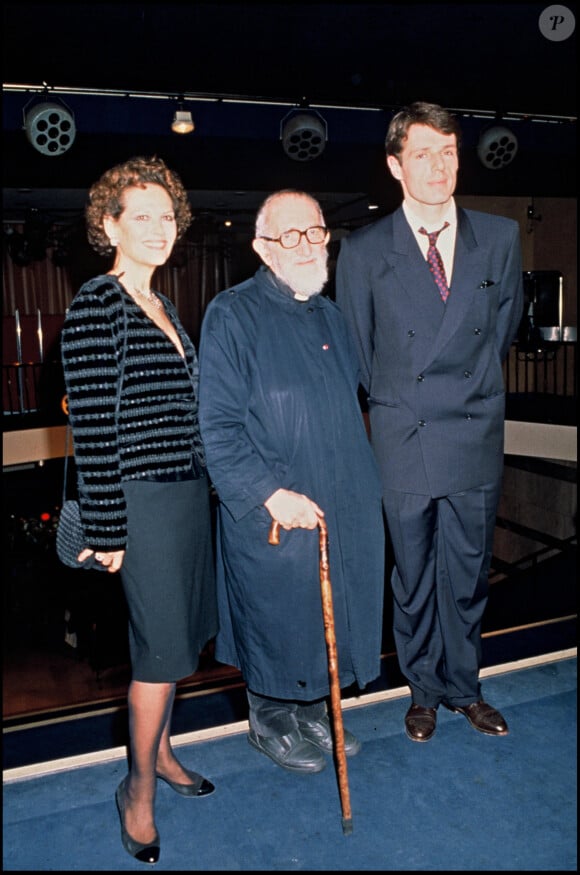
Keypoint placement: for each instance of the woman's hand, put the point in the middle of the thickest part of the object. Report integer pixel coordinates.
(111, 561)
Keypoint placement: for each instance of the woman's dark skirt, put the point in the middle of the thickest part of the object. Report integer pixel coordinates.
(168, 577)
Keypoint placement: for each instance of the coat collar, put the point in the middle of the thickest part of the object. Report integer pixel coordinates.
(282, 293)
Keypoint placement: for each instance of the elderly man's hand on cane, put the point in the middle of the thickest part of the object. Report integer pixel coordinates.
(292, 510)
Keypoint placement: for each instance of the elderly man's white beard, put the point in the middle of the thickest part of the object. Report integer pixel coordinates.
(307, 280)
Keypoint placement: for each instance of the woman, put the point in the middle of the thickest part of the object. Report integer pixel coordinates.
(131, 376)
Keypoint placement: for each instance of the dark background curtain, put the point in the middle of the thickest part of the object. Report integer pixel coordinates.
(41, 282)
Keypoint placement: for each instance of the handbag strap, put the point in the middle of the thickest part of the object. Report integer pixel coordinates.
(117, 403)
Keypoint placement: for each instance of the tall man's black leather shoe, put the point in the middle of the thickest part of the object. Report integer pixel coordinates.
(420, 722)
(292, 751)
(319, 733)
(482, 717)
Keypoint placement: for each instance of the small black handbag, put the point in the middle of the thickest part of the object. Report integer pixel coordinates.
(70, 536)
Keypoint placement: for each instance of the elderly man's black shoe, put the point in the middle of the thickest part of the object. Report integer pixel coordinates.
(420, 722)
(482, 717)
(292, 751)
(319, 733)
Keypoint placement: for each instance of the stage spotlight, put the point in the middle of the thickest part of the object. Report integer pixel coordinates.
(497, 147)
(50, 127)
(303, 134)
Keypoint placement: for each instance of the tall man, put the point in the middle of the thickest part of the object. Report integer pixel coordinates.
(285, 441)
(433, 295)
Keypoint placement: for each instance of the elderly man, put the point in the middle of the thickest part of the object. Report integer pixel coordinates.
(285, 442)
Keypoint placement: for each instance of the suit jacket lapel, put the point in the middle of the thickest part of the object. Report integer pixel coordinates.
(466, 277)
(422, 297)
(408, 264)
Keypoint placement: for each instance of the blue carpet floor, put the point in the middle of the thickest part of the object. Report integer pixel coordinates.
(464, 801)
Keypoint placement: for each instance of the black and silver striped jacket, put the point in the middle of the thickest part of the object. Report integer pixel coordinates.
(155, 433)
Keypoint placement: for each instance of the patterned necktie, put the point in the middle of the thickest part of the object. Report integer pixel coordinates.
(435, 261)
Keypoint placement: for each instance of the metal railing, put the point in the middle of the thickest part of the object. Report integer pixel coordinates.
(544, 372)
(31, 390)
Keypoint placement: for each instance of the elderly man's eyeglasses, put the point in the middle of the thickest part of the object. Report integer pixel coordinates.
(291, 239)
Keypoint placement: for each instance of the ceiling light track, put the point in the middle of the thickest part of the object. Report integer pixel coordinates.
(46, 89)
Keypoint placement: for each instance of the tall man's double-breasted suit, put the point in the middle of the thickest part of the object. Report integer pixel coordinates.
(433, 375)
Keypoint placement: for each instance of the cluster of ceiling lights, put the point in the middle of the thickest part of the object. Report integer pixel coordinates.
(50, 127)
(303, 133)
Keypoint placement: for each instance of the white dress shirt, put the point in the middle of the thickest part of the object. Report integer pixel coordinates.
(445, 241)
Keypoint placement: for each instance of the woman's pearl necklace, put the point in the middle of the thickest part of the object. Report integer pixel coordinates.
(149, 297)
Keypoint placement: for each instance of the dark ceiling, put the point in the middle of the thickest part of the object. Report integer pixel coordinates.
(356, 62)
(482, 55)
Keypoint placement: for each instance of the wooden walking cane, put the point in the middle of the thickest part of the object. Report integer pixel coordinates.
(330, 636)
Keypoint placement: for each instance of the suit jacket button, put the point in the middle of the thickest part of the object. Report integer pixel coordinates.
(422, 423)
(467, 374)
(410, 333)
(420, 378)
(477, 330)
(468, 416)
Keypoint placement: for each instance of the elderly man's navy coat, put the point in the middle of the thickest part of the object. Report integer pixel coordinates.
(279, 409)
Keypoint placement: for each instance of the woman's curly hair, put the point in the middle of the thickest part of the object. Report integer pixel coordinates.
(105, 196)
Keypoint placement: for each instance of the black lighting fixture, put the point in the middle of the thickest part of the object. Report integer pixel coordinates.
(497, 147)
(49, 124)
(304, 134)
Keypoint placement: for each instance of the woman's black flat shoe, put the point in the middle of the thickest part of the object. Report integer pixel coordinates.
(148, 853)
(200, 786)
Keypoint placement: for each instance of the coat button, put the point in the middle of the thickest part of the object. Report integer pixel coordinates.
(468, 416)
(477, 330)
(420, 378)
(467, 374)
(410, 333)
(422, 423)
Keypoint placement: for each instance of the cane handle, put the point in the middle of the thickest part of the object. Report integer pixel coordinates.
(274, 534)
